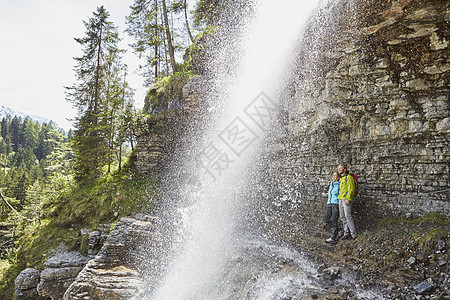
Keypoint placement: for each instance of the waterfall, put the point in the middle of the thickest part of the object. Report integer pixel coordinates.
(207, 216)
(211, 251)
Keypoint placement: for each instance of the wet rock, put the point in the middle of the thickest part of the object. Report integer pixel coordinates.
(153, 146)
(26, 284)
(441, 263)
(332, 272)
(423, 287)
(96, 238)
(321, 268)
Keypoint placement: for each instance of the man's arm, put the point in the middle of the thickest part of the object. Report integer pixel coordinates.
(351, 187)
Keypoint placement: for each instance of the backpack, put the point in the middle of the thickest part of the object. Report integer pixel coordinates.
(356, 185)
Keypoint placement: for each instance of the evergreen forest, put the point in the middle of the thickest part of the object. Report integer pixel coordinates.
(54, 183)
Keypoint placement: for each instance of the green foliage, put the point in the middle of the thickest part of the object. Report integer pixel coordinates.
(121, 193)
(195, 55)
(435, 218)
(64, 183)
(35, 245)
(165, 90)
(24, 162)
(208, 11)
(84, 244)
(102, 98)
(73, 207)
(146, 28)
(157, 42)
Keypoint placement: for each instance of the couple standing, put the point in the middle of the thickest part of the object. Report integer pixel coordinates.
(340, 195)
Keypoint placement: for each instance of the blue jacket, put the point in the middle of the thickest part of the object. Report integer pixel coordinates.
(333, 192)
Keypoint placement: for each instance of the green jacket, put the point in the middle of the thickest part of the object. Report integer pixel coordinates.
(347, 186)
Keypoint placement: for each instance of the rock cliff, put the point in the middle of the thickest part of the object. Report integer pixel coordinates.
(113, 273)
(370, 89)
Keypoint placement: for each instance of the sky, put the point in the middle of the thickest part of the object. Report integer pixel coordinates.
(37, 47)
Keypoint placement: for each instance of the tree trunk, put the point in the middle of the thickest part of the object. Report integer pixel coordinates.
(187, 22)
(97, 75)
(166, 58)
(123, 108)
(131, 143)
(169, 38)
(156, 44)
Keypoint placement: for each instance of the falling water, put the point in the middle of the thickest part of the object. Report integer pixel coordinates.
(211, 253)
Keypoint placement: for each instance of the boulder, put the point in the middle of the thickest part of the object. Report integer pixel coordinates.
(113, 274)
(26, 284)
(61, 270)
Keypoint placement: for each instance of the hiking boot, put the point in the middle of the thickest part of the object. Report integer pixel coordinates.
(330, 241)
(346, 237)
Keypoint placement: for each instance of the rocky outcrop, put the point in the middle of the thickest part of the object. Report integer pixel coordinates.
(162, 132)
(26, 284)
(113, 274)
(61, 270)
(372, 90)
(95, 239)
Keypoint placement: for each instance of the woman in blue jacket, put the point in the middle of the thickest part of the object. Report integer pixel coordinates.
(332, 211)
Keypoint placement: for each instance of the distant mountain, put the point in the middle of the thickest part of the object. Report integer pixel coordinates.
(6, 111)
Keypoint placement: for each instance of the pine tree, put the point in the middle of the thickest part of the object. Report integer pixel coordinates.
(90, 141)
(113, 107)
(14, 132)
(169, 38)
(145, 26)
(207, 12)
(182, 6)
(148, 23)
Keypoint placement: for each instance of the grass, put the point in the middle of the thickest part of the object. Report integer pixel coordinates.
(110, 198)
(166, 89)
(434, 227)
(435, 218)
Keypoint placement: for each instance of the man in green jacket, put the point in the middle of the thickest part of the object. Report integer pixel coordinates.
(347, 187)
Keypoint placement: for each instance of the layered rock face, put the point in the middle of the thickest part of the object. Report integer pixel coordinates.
(61, 270)
(371, 89)
(113, 274)
(164, 132)
(26, 284)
